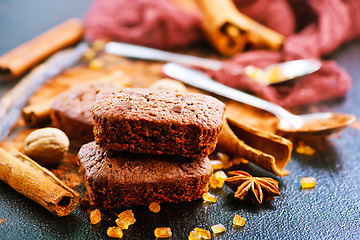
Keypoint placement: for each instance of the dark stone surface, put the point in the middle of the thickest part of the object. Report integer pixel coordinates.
(329, 211)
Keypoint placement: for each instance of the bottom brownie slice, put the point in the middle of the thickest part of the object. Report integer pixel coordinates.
(121, 179)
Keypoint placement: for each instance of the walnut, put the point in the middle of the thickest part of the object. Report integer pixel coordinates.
(47, 146)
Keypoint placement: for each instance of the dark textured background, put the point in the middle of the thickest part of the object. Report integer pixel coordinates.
(329, 211)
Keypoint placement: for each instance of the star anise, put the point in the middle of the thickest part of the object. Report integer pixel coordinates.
(256, 189)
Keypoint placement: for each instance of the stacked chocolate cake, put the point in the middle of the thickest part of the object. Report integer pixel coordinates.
(150, 146)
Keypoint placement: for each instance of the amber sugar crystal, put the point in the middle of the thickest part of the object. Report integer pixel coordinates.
(218, 228)
(208, 197)
(216, 164)
(239, 221)
(221, 175)
(308, 182)
(163, 232)
(215, 182)
(114, 232)
(95, 216)
(204, 234)
(194, 236)
(154, 207)
(125, 219)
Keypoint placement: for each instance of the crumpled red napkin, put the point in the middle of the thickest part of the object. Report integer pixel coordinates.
(158, 24)
(314, 29)
(327, 25)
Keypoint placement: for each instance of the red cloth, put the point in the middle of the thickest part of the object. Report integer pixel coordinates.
(314, 28)
(333, 23)
(158, 24)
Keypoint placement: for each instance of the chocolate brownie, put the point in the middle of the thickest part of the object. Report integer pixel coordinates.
(122, 179)
(157, 121)
(71, 112)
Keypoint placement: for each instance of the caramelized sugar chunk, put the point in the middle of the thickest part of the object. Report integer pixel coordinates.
(154, 207)
(194, 236)
(95, 216)
(238, 221)
(215, 182)
(221, 175)
(96, 64)
(208, 197)
(163, 232)
(218, 228)
(216, 164)
(302, 148)
(125, 219)
(204, 234)
(114, 232)
(308, 182)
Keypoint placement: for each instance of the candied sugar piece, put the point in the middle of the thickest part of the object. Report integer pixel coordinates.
(114, 232)
(222, 156)
(204, 234)
(96, 64)
(304, 149)
(98, 45)
(218, 228)
(95, 216)
(239, 221)
(208, 197)
(89, 54)
(308, 182)
(163, 232)
(194, 236)
(215, 182)
(154, 207)
(216, 164)
(125, 219)
(221, 175)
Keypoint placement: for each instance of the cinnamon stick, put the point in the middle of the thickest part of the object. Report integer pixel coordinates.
(229, 31)
(268, 151)
(19, 60)
(37, 113)
(37, 183)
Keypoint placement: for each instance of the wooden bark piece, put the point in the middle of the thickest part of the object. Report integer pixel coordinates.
(267, 150)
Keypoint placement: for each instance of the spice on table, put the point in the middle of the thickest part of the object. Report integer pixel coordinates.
(302, 148)
(308, 182)
(204, 234)
(238, 221)
(95, 216)
(46, 146)
(163, 232)
(96, 64)
(37, 183)
(194, 236)
(154, 207)
(210, 198)
(216, 164)
(218, 228)
(256, 189)
(125, 219)
(114, 232)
